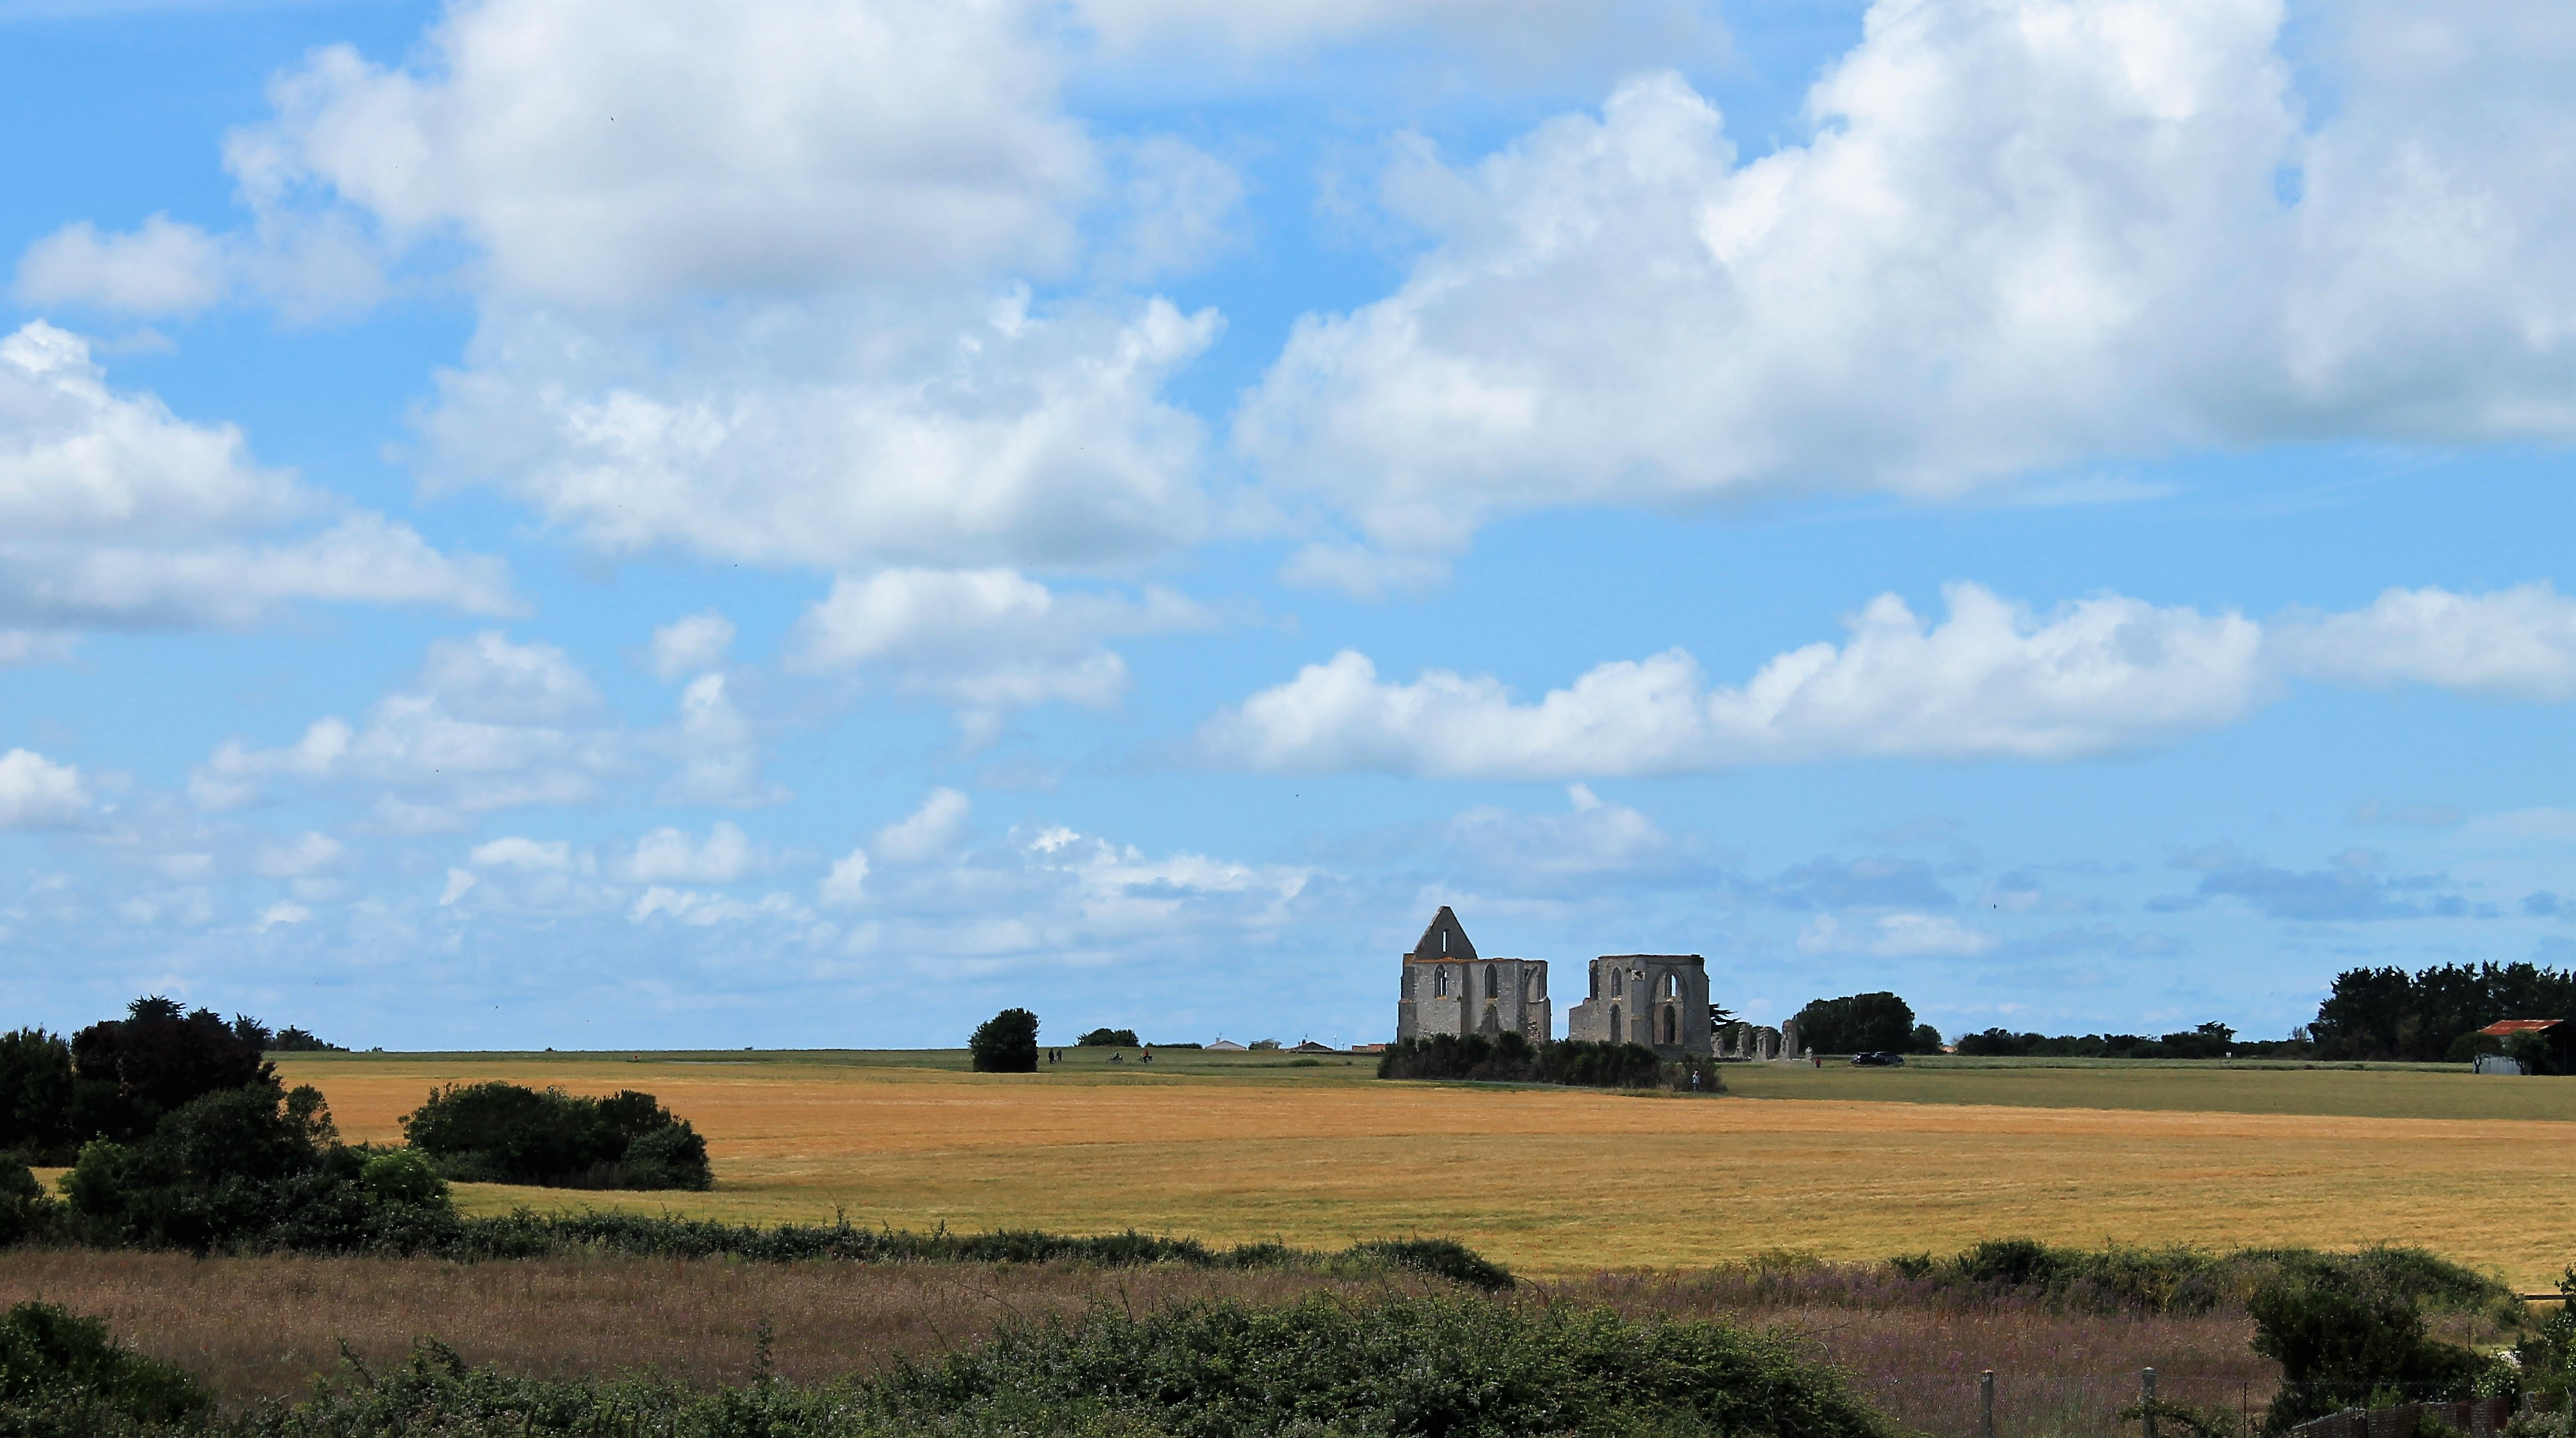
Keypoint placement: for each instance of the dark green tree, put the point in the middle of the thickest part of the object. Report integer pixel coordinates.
(1924, 1040)
(253, 1167)
(1006, 1043)
(2388, 1013)
(131, 1071)
(292, 1040)
(36, 1094)
(508, 1133)
(1858, 1023)
(1105, 1038)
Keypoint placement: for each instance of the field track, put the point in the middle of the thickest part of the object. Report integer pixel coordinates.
(1560, 1181)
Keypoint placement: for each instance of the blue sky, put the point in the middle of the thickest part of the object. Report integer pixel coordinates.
(540, 522)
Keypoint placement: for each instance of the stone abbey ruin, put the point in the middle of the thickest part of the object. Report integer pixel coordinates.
(1659, 1000)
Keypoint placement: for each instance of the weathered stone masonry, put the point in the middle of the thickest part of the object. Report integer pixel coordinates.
(1659, 1000)
(1448, 989)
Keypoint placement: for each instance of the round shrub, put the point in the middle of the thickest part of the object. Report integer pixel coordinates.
(1006, 1043)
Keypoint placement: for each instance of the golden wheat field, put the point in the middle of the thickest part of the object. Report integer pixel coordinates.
(1565, 1181)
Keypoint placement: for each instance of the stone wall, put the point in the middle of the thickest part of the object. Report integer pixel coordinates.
(1753, 1043)
(1491, 997)
(1659, 1000)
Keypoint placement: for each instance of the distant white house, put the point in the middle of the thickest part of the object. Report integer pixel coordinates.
(1226, 1046)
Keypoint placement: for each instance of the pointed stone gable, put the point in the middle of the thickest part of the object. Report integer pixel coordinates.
(1444, 926)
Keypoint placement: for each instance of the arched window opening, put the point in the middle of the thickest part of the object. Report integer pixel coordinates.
(1493, 982)
(1672, 1022)
(1672, 986)
(1439, 982)
(1596, 981)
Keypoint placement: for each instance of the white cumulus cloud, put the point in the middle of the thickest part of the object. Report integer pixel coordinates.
(926, 833)
(163, 268)
(488, 724)
(668, 855)
(608, 153)
(691, 645)
(114, 512)
(519, 852)
(846, 433)
(986, 639)
(2515, 643)
(846, 885)
(296, 857)
(37, 793)
(2026, 233)
(1991, 681)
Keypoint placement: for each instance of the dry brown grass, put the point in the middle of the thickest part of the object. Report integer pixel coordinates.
(265, 1327)
(1548, 1181)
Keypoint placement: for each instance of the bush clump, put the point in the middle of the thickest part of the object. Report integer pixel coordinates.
(250, 1169)
(507, 1133)
(1449, 1366)
(1006, 1043)
(61, 1373)
(1452, 1366)
(2346, 1332)
(1108, 1038)
(1514, 1059)
(2196, 1280)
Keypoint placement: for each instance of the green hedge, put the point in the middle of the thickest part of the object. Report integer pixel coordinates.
(1396, 1367)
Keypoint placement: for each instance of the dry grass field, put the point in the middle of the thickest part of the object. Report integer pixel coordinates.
(1844, 1164)
(265, 1327)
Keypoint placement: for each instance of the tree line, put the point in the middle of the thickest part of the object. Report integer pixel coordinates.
(2433, 1015)
(2386, 1014)
(179, 1134)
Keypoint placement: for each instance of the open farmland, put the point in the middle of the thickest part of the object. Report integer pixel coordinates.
(1843, 1164)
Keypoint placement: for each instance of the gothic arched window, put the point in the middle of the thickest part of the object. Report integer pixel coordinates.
(1493, 982)
(1440, 981)
(1672, 1018)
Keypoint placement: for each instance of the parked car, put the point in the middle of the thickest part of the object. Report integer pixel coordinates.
(1879, 1061)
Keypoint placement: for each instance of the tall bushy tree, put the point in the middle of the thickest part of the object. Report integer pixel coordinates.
(129, 1072)
(36, 1094)
(1006, 1043)
(1857, 1023)
(2388, 1013)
